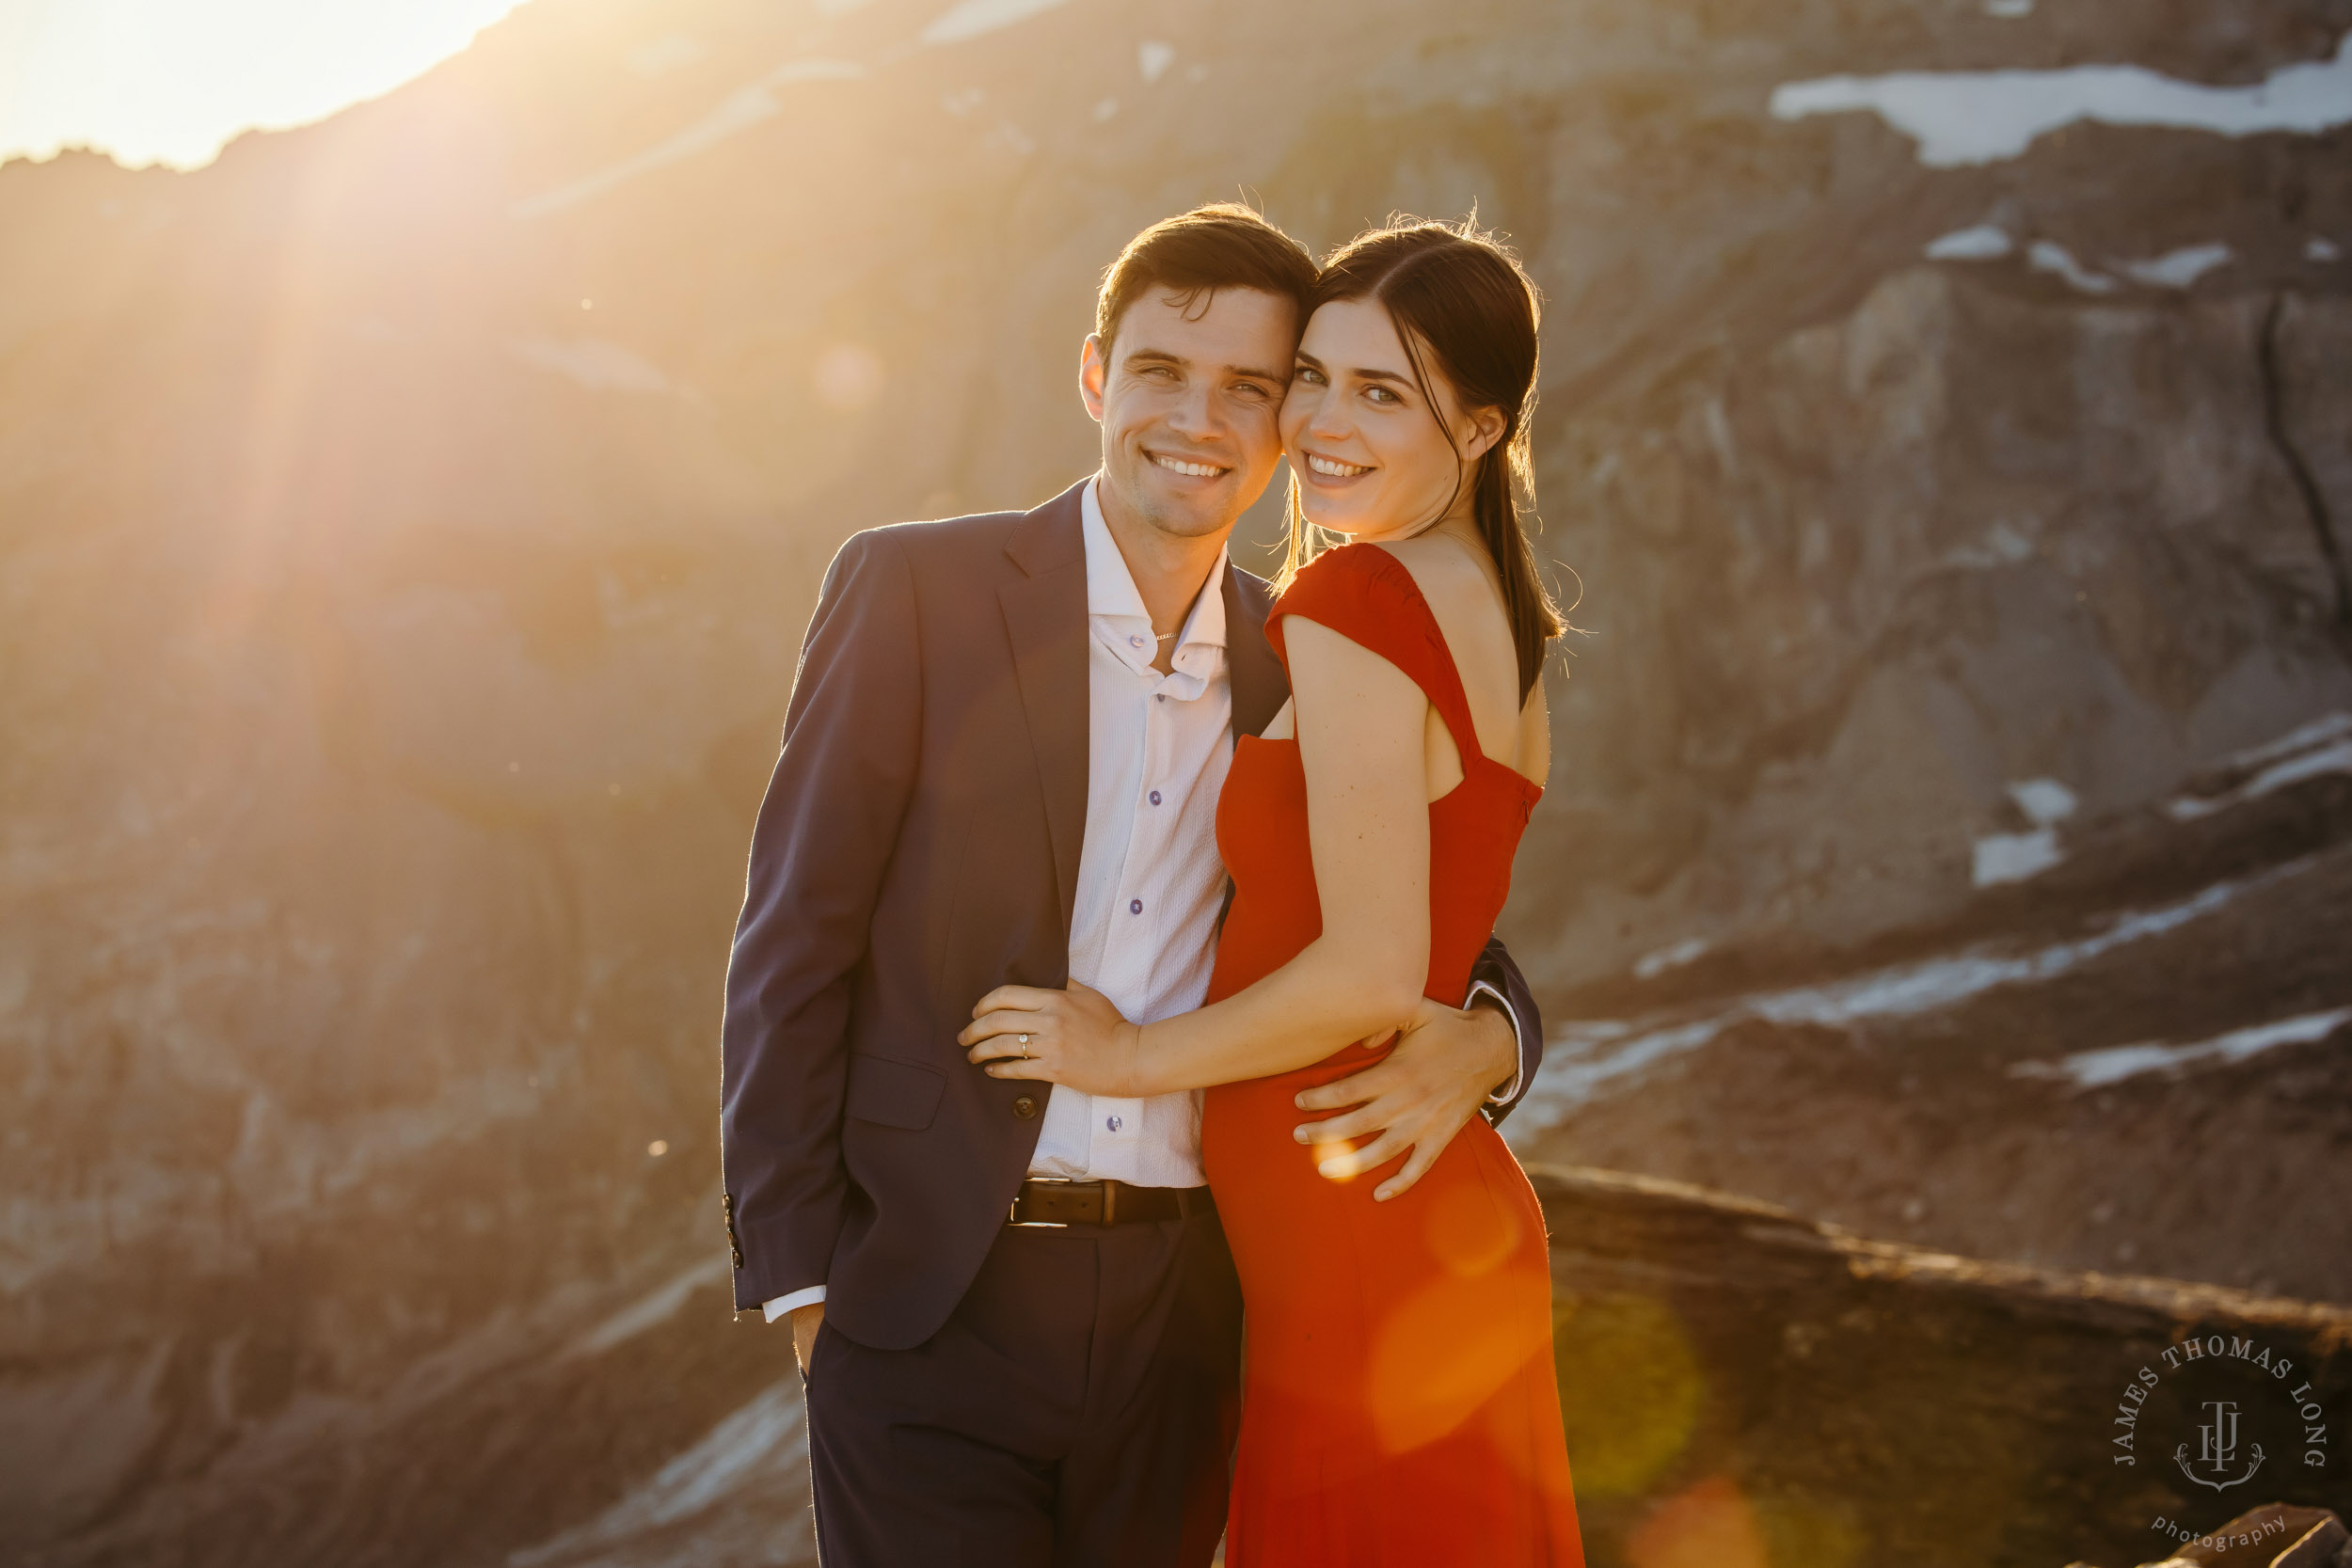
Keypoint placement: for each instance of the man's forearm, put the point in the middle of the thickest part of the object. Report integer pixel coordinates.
(1489, 1001)
(1499, 973)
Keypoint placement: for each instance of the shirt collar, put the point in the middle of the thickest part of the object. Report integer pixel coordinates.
(1111, 591)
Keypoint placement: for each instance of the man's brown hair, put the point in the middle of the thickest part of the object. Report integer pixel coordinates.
(1195, 254)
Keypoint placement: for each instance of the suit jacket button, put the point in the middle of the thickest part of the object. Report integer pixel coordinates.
(1025, 1108)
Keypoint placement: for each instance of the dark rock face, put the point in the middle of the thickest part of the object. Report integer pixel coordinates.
(1748, 1386)
(2134, 1059)
(406, 525)
(1741, 1386)
(1961, 538)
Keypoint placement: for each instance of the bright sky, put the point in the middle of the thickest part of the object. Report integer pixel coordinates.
(170, 81)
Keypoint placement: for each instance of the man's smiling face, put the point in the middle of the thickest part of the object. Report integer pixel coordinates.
(1187, 399)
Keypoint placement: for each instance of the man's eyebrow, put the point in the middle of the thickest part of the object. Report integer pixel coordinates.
(1164, 356)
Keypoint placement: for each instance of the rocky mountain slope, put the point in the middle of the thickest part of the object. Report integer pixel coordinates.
(406, 525)
(1743, 1386)
(2134, 1058)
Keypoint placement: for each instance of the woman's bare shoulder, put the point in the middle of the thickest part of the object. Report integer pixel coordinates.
(1435, 562)
(1460, 586)
(1464, 596)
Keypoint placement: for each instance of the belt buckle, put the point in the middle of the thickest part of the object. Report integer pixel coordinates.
(1012, 1211)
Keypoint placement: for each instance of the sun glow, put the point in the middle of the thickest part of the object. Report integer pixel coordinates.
(169, 82)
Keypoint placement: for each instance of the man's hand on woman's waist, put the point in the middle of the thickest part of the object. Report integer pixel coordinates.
(1444, 1067)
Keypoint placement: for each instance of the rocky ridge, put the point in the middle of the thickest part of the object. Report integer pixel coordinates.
(408, 522)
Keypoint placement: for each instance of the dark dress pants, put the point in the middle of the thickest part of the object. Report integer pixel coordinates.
(1076, 1411)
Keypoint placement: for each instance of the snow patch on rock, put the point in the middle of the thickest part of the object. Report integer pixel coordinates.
(2310, 750)
(1651, 965)
(975, 17)
(1985, 242)
(2179, 269)
(2089, 1069)
(741, 110)
(657, 1307)
(763, 1447)
(1958, 118)
(2051, 257)
(2044, 801)
(1586, 1055)
(2013, 857)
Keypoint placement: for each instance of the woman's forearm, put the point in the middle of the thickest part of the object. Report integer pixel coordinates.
(1360, 728)
(1325, 998)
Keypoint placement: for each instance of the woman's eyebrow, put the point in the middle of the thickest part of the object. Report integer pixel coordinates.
(1362, 375)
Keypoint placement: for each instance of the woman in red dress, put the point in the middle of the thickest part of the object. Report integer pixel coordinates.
(1399, 1406)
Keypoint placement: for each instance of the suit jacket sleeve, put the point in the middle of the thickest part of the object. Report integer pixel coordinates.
(1495, 968)
(825, 834)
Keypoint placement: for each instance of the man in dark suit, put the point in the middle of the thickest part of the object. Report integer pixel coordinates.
(1012, 1305)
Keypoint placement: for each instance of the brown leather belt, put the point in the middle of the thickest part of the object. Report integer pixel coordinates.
(1043, 1200)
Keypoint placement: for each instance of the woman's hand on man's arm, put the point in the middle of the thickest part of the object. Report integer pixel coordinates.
(1074, 1035)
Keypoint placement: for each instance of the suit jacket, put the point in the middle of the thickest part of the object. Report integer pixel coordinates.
(918, 847)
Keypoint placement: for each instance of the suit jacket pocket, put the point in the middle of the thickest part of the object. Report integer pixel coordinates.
(892, 1093)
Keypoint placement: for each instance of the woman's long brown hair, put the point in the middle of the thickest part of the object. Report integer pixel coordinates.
(1458, 297)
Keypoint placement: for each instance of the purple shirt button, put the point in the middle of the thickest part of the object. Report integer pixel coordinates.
(1155, 797)
(1134, 906)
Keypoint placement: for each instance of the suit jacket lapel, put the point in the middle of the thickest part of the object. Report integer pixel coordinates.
(1046, 618)
(1258, 683)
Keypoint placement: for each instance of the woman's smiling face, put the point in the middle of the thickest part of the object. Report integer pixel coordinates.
(1371, 458)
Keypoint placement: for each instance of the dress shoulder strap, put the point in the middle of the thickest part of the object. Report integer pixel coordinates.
(1368, 596)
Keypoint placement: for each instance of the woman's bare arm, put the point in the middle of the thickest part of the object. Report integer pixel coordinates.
(1360, 721)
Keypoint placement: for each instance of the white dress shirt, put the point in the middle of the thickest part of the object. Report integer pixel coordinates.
(1150, 882)
(1143, 931)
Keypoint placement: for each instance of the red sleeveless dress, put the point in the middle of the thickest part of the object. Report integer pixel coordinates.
(1400, 1407)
